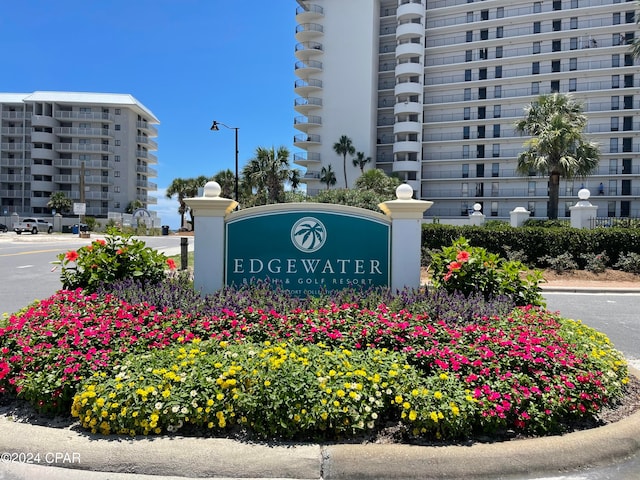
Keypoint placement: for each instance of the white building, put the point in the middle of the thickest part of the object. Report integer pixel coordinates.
(431, 91)
(48, 138)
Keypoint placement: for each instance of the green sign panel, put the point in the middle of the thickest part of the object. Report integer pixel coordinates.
(308, 251)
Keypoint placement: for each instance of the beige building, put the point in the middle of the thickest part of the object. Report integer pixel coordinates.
(431, 91)
(47, 139)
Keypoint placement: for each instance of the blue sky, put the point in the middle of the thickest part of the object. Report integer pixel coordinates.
(188, 61)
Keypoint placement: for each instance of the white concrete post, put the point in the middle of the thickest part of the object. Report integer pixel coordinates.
(583, 212)
(518, 216)
(210, 211)
(406, 236)
(477, 217)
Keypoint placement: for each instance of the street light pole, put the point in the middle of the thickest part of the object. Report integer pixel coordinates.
(215, 128)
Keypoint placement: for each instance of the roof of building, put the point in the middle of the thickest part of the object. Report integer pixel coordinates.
(123, 99)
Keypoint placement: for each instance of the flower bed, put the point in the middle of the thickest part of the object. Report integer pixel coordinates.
(328, 367)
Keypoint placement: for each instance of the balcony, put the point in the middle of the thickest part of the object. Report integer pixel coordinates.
(410, 9)
(409, 49)
(146, 155)
(151, 144)
(306, 32)
(305, 87)
(407, 146)
(307, 68)
(14, 115)
(43, 121)
(306, 141)
(408, 88)
(43, 137)
(151, 129)
(407, 108)
(83, 147)
(14, 147)
(151, 172)
(82, 132)
(13, 178)
(306, 159)
(77, 115)
(304, 123)
(304, 105)
(13, 131)
(406, 166)
(309, 13)
(409, 68)
(409, 30)
(306, 50)
(407, 127)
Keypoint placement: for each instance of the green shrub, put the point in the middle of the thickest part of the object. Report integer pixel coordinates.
(629, 262)
(466, 269)
(117, 257)
(596, 263)
(560, 263)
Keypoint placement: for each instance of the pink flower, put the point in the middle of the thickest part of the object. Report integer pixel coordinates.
(71, 256)
(453, 266)
(463, 256)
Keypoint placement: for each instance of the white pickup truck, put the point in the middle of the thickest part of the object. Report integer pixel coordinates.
(33, 225)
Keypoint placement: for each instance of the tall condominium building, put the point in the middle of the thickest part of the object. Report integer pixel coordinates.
(47, 139)
(431, 90)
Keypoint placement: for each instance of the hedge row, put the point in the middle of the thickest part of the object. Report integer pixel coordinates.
(537, 242)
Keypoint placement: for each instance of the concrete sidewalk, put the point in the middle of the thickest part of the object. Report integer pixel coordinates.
(28, 451)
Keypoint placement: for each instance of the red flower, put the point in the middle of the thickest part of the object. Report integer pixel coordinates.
(71, 256)
(463, 256)
(171, 263)
(453, 266)
(101, 241)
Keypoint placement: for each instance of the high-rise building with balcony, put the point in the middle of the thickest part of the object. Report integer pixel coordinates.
(431, 90)
(47, 139)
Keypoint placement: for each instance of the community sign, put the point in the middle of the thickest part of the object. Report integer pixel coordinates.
(308, 248)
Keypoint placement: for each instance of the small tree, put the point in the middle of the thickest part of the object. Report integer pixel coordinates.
(361, 161)
(60, 202)
(344, 146)
(379, 182)
(328, 176)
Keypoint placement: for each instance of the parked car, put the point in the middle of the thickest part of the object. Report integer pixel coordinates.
(3, 228)
(33, 225)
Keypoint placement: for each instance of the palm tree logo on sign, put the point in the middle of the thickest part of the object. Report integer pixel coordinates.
(308, 234)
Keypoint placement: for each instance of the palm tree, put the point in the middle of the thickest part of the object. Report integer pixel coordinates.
(60, 202)
(344, 146)
(328, 176)
(226, 179)
(267, 173)
(557, 147)
(379, 182)
(360, 161)
(191, 191)
(179, 187)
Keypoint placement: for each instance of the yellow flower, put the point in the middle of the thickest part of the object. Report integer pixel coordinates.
(434, 416)
(437, 395)
(413, 415)
(398, 399)
(443, 376)
(340, 393)
(267, 383)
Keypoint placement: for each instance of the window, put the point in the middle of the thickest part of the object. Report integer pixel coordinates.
(468, 55)
(464, 190)
(615, 81)
(628, 101)
(611, 209)
(573, 63)
(531, 206)
(482, 93)
(496, 131)
(482, 112)
(626, 187)
(495, 153)
(628, 81)
(480, 170)
(467, 75)
(479, 189)
(613, 166)
(555, 66)
(557, 4)
(484, 34)
(627, 124)
(616, 18)
(573, 43)
(536, 27)
(494, 205)
(500, 12)
(614, 124)
(499, 52)
(469, 17)
(484, 14)
(464, 208)
(469, 36)
(573, 23)
(555, 86)
(535, 88)
(556, 46)
(116, 188)
(627, 145)
(574, 3)
(531, 188)
(537, 7)
(497, 91)
(482, 54)
(615, 60)
(629, 17)
(628, 60)
(497, 110)
(465, 133)
(116, 173)
(535, 68)
(613, 145)
(481, 131)
(467, 113)
(116, 158)
(573, 84)
(467, 94)
(482, 74)
(465, 170)
(536, 47)
(556, 25)
(117, 111)
(499, 32)
(117, 127)
(480, 153)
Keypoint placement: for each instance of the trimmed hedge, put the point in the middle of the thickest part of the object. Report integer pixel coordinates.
(537, 242)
